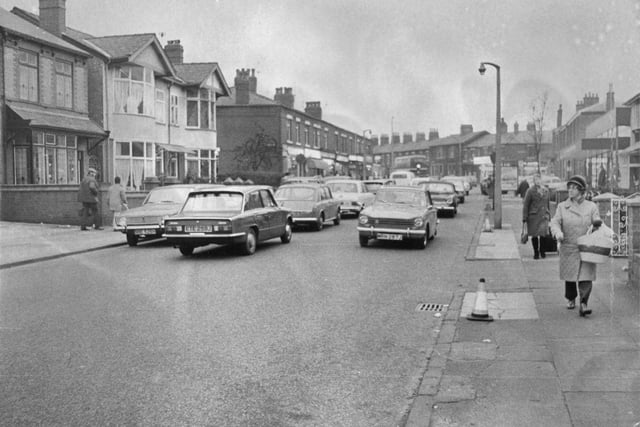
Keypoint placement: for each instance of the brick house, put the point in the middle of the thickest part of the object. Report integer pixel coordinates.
(263, 139)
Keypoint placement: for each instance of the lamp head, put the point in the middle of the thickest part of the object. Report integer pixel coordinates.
(482, 69)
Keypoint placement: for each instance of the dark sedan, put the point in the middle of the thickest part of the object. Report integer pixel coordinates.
(402, 213)
(235, 215)
(443, 195)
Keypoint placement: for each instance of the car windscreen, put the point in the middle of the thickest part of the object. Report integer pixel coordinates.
(214, 202)
(296, 193)
(372, 186)
(405, 197)
(343, 187)
(438, 188)
(168, 195)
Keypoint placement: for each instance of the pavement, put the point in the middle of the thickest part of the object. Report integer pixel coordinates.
(535, 364)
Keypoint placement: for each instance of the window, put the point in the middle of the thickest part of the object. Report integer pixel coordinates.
(160, 106)
(267, 199)
(28, 76)
(306, 135)
(54, 160)
(200, 108)
(298, 133)
(316, 141)
(134, 162)
(289, 130)
(134, 90)
(174, 110)
(201, 165)
(64, 84)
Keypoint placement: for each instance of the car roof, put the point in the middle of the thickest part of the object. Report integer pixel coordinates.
(234, 188)
(439, 182)
(351, 181)
(401, 188)
(303, 184)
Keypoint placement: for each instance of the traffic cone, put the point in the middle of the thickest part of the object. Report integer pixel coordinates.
(487, 225)
(480, 308)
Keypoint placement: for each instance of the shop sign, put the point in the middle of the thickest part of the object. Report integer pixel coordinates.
(619, 225)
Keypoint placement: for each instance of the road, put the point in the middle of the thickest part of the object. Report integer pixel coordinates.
(316, 332)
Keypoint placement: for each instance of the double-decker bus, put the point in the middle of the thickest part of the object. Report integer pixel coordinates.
(416, 163)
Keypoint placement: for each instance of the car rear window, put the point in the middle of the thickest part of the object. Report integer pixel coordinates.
(416, 198)
(439, 188)
(218, 201)
(343, 187)
(168, 195)
(296, 193)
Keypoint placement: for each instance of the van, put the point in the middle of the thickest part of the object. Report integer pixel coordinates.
(402, 177)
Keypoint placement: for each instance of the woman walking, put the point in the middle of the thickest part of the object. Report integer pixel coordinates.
(572, 220)
(536, 214)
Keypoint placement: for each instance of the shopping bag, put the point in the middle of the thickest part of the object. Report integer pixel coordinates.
(524, 236)
(595, 246)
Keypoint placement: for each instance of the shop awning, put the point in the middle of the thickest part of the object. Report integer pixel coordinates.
(67, 121)
(176, 148)
(317, 164)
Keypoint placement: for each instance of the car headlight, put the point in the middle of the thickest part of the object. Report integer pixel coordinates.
(121, 221)
(363, 219)
(418, 222)
(450, 200)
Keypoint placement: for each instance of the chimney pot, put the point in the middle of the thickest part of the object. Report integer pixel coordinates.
(174, 51)
(53, 16)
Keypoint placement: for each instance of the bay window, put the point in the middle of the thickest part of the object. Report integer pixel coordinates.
(201, 165)
(160, 106)
(200, 108)
(48, 159)
(134, 162)
(134, 90)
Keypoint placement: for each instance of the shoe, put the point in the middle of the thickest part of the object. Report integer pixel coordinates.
(84, 229)
(584, 310)
(543, 255)
(571, 304)
(536, 256)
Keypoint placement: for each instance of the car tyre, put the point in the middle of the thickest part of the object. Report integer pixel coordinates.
(288, 232)
(320, 222)
(250, 243)
(186, 250)
(132, 239)
(435, 233)
(364, 241)
(336, 220)
(422, 243)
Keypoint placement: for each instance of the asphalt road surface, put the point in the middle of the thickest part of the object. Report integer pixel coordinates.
(316, 332)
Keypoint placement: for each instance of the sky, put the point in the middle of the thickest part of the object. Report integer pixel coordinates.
(405, 66)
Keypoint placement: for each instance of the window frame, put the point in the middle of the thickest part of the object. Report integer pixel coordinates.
(65, 79)
(25, 70)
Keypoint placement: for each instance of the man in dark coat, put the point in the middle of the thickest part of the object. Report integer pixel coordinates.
(522, 188)
(88, 196)
(536, 214)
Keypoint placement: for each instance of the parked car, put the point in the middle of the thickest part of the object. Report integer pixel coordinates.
(146, 222)
(459, 186)
(402, 177)
(310, 204)
(291, 179)
(231, 215)
(399, 213)
(374, 184)
(444, 196)
(462, 179)
(352, 194)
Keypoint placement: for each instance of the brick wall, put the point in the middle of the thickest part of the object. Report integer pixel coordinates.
(52, 204)
(633, 209)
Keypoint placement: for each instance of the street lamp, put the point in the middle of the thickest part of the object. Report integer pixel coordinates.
(391, 143)
(497, 179)
(364, 149)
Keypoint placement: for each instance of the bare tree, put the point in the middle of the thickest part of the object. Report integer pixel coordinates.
(538, 110)
(257, 151)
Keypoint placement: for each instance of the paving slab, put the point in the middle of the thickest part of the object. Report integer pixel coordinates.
(503, 305)
(604, 409)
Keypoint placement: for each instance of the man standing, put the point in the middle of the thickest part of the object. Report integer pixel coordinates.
(602, 179)
(88, 196)
(117, 200)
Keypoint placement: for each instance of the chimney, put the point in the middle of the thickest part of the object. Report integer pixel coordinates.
(420, 136)
(395, 138)
(465, 129)
(407, 137)
(559, 117)
(375, 140)
(531, 127)
(384, 139)
(253, 81)
(242, 86)
(503, 126)
(284, 96)
(174, 51)
(610, 105)
(314, 109)
(433, 134)
(516, 127)
(588, 100)
(53, 16)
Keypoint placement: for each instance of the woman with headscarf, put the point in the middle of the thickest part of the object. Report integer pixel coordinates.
(535, 213)
(572, 219)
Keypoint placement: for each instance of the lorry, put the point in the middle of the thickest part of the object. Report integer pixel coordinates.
(509, 181)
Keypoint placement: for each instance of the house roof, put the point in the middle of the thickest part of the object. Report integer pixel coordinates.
(634, 99)
(254, 99)
(197, 73)
(421, 145)
(123, 47)
(16, 25)
(512, 138)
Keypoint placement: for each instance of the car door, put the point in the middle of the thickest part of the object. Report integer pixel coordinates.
(432, 214)
(331, 203)
(276, 217)
(254, 208)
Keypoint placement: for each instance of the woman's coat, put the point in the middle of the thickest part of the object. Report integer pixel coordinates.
(574, 219)
(535, 211)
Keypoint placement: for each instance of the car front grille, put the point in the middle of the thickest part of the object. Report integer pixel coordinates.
(392, 223)
(142, 220)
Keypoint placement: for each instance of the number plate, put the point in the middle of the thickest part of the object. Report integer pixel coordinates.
(197, 228)
(386, 236)
(144, 232)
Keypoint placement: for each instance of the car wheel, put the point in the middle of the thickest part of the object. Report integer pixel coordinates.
(288, 231)
(364, 241)
(186, 250)
(422, 243)
(132, 239)
(320, 222)
(336, 220)
(249, 246)
(435, 233)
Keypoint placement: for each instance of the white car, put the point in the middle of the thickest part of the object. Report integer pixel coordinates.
(352, 194)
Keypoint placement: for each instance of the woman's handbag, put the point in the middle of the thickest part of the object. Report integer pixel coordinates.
(596, 245)
(524, 236)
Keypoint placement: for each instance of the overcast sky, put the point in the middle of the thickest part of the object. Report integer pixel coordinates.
(412, 64)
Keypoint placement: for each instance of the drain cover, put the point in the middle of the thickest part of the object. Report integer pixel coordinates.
(431, 307)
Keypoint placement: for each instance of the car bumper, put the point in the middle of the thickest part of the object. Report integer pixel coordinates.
(374, 232)
(142, 230)
(201, 239)
(445, 208)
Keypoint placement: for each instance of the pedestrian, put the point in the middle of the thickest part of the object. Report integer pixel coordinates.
(117, 200)
(536, 214)
(88, 196)
(522, 188)
(572, 220)
(636, 183)
(602, 179)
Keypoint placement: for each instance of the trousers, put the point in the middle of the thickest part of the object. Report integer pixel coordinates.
(584, 286)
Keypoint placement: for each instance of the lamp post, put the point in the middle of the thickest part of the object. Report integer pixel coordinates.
(391, 143)
(364, 150)
(497, 179)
